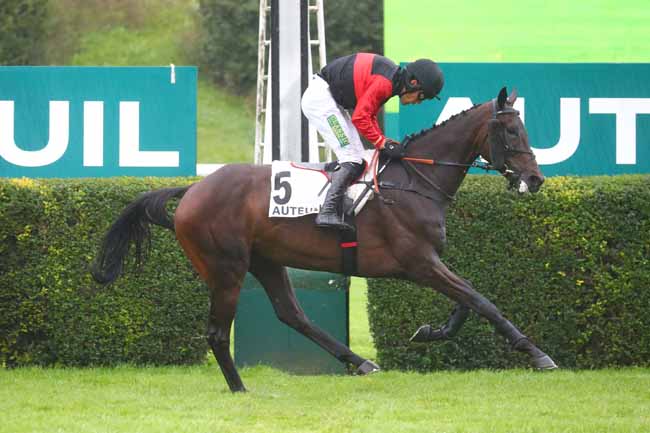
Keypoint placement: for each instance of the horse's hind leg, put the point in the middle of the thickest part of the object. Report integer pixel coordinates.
(443, 280)
(426, 333)
(223, 269)
(278, 287)
(223, 305)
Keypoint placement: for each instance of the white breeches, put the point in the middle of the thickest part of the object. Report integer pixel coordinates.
(332, 122)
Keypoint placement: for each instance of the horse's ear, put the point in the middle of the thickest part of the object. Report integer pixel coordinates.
(513, 97)
(501, 99)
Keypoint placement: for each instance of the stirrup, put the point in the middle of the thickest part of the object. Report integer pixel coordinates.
(332, 221)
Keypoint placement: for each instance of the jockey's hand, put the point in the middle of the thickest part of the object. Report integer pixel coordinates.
(393, 149)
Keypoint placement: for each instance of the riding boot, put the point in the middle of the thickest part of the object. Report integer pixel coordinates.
(330, 213)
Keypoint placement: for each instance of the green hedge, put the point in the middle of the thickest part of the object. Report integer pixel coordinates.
(53, 313)
(569, 266)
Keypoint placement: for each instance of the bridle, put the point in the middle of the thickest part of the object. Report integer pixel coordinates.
(495, 115)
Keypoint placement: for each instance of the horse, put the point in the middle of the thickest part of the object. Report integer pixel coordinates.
(222, 224)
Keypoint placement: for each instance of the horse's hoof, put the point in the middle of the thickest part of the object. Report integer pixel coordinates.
(368, 367)
(544, 363)
(426, 333)
(238, 389)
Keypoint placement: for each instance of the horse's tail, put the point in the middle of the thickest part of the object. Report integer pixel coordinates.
(133, 226)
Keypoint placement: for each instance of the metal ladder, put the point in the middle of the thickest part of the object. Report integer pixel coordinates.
(263, 99)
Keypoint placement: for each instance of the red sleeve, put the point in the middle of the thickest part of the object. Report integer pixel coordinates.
(364, 117)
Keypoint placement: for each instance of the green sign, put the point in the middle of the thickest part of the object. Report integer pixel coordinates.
(97, 121)
(582, 119)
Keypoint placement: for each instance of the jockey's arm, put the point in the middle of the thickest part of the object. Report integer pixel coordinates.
(364, 117)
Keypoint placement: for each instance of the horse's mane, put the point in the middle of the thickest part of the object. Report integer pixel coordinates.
(443, 124)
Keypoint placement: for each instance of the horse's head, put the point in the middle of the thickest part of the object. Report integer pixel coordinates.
(507, 148)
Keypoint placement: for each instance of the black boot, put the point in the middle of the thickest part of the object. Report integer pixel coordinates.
(329, 215)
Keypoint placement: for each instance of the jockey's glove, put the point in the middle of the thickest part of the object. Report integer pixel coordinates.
(393, 149)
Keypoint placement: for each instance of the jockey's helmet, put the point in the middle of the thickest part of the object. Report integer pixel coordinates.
(429, 77)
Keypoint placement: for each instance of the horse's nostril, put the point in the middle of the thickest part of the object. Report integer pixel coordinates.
(535, 182)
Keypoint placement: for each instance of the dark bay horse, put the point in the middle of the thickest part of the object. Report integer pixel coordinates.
(221, 223)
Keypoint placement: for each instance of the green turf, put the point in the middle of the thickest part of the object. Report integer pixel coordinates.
(195, 399)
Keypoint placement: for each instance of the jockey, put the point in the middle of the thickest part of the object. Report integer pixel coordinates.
(361, 84)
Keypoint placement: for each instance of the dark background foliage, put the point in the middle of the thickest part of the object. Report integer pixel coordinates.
(230, 33)
(22, 31)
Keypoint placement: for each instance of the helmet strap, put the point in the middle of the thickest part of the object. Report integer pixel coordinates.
(408, 87)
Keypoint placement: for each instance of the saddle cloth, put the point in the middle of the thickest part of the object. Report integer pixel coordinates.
(299, 189)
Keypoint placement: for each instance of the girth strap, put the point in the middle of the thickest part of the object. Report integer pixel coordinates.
(348, 243)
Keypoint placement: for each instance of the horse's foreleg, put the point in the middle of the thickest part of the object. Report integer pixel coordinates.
(278, 287)
(427, 333)
(443, 280)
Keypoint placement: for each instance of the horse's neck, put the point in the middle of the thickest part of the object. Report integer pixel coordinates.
(457, 141)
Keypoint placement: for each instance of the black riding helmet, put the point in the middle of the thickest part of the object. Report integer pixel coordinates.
(429, 76)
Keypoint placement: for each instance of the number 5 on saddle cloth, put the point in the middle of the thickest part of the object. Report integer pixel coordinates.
(299, 189)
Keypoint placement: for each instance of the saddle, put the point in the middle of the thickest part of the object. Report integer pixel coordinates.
(298, 189)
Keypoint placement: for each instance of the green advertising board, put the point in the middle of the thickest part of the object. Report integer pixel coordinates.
(582, 71)
(260, 337)
(97, 121)
(582, 119)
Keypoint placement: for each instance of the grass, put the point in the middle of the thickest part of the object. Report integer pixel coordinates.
(360, 339)
(196, 399)
(226, 126)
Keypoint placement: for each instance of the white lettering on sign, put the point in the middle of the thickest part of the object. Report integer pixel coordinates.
(626, 110)
(130, 154)
(569, 134)
(56, 145)
(93, 134)
(452, 107)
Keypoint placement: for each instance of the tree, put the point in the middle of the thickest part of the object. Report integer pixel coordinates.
(22, 24)
(230, 32)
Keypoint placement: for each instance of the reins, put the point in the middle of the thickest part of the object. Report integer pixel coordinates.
(410, 161)
(482, 165)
